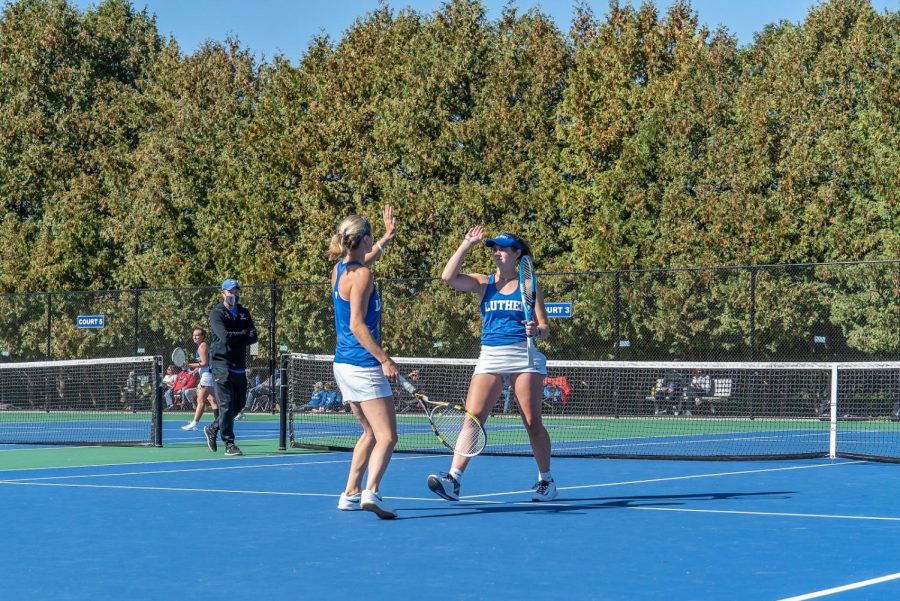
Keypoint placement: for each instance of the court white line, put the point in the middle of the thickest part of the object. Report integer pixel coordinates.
(10, 447)
(841, 589)
(674, 478)
(233, 464)
(774, 514)
(170, 488)
(469, 501)
(278, 454)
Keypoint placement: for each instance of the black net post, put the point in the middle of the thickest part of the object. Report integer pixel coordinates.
(157, 403)
(282, 395)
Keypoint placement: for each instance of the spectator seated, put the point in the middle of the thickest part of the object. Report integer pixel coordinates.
(177, 397)
(556, 394)
(317, 399)
(331, 398)
(261, 397)
(698, 389)
(667, 396)
(137, 393)
(718, 391)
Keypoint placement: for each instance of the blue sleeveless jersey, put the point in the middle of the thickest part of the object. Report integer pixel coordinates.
(348, 349)
(203, 370)
(501, 317)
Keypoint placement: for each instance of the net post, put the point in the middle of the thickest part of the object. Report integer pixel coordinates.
(157, 402)
(282, 395)
(832, 430)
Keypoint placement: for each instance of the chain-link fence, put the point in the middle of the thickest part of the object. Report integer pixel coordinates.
(811, 312)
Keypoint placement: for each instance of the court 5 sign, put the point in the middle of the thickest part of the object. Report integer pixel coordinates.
(90, 321)
(558, 309)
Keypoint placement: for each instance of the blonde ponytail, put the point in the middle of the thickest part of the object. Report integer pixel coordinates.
(349, 234)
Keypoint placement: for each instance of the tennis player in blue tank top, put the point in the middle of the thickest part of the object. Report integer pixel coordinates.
(206, 388)
(504, 353)
(362, 369)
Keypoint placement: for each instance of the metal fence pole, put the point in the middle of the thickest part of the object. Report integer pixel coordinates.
(49, 324)
(137, 322)
(618, 309)
(752, 313)
(272, 345)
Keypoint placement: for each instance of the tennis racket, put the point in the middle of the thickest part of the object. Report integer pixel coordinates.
(456, 428)
(179, 357)
(528, 290)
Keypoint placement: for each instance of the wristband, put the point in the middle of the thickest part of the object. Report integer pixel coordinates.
(379, 246)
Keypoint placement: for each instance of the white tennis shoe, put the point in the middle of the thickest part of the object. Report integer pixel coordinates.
(372, 501)
(190, 426)
(349, 502)
(544, 490)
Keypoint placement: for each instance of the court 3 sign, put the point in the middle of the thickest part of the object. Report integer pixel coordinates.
(558, 309)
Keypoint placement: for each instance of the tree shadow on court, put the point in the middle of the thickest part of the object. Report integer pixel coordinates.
(565, 504)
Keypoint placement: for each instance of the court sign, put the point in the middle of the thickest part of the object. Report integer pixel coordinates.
(558, 309)
(92, 322)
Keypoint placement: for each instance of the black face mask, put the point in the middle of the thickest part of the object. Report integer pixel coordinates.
(232, 301)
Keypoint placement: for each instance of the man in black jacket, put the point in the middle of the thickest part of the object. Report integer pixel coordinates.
(232, 331)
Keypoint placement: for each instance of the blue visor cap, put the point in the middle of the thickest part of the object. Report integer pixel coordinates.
(230, 284)
(504, 240)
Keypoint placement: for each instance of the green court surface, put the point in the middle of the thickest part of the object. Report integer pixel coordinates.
(261, 439)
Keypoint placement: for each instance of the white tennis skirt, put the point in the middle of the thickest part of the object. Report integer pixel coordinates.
(360, 384)
(510, 359)
(206, 379)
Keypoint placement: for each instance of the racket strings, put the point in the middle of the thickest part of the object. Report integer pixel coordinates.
(179, 357)
(460, 430)
(527, 279)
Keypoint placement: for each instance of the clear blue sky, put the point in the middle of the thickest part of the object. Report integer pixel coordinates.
(270, 27)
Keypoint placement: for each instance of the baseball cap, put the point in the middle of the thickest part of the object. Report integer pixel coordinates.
(505, 240)
(230, 284)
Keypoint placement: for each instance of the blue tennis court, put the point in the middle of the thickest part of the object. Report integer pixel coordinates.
(180, 522)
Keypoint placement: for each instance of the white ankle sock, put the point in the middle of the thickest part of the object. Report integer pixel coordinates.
(457, 474)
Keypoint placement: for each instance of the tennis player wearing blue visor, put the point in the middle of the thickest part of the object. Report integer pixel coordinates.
(505, 241)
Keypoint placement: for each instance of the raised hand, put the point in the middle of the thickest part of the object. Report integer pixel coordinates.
(390, 222)
(475, 234)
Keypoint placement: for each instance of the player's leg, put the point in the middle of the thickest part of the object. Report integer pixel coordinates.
(361, 452)
(529, 389)
(202, 391)
(381, 416)
(484, 391)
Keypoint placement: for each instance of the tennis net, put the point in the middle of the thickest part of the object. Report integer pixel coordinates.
(95, 401)
(639, 409)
